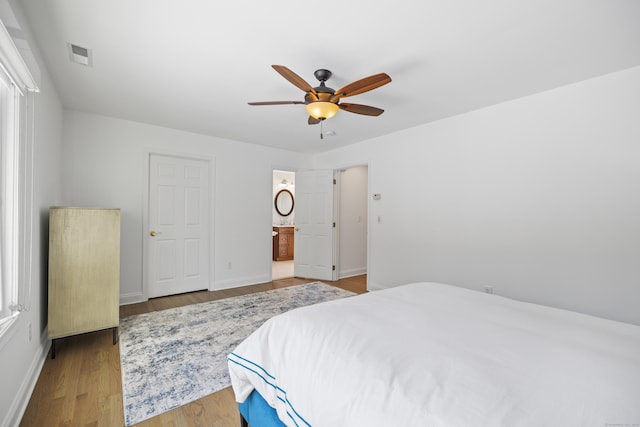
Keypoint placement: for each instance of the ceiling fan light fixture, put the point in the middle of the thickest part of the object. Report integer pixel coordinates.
(322, 110)
(323, 102)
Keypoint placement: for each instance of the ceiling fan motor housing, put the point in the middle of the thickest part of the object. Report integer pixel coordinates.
(320, 96)
(323, 93)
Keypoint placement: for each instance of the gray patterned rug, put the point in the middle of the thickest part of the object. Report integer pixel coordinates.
(172, 357)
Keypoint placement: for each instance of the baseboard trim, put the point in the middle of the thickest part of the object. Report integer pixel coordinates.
(343, 274)
(132, 298)
(19, 405)
(372, 286)
(241, 281)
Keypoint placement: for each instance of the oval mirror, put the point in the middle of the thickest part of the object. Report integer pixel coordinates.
(284, 202)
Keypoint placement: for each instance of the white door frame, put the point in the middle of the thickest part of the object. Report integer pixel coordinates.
(145, 212)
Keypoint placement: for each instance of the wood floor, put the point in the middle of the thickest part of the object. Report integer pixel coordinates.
(82, 385)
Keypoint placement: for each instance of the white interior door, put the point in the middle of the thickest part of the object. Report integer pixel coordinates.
(178, 232)
(314, 231)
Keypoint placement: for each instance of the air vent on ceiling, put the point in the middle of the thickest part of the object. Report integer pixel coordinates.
(80, 55)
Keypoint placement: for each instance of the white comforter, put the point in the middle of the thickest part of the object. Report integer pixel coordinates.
(429, 354)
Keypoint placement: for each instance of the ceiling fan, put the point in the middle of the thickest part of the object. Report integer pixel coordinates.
(322, 102)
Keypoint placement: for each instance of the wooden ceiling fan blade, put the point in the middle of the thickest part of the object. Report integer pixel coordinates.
(295, 79)
(313, 120)
(367, 110)
(275, 102)
(363, 85)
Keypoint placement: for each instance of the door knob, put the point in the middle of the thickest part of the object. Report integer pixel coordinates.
(297, 229)
(153, 234)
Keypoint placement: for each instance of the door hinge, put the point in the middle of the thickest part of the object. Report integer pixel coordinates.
(334, 225)
(334, 181)
(334, 268)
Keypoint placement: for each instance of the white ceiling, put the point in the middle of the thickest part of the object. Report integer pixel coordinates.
(194, 64)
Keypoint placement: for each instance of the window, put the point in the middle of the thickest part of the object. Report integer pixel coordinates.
(16, 156)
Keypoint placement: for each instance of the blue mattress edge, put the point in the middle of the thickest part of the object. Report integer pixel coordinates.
(258, 412)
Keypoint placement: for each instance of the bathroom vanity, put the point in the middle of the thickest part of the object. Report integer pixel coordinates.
(283, 243)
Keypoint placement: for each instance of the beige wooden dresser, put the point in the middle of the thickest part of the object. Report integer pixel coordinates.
(84, 271)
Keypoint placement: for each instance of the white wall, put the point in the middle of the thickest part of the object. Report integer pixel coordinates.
(352, 221)
(20, 358)
(104, 166)
(538, 197)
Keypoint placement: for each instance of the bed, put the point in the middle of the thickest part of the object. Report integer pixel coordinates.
(429, 354)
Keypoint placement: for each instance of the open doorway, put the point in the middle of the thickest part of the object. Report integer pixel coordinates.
(350, 246)
(352, 215)
(283, 214)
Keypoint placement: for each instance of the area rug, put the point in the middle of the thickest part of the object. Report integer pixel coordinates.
(172, 357)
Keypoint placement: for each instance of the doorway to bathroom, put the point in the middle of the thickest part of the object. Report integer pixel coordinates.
(283, 222)
(349, 249)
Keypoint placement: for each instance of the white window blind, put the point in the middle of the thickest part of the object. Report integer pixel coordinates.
(16, 180)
